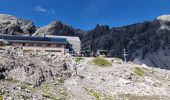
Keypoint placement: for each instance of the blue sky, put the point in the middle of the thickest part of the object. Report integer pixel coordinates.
(85, 14)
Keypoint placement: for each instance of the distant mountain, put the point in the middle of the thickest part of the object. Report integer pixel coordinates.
(147, 42)
(58, 28)
(14, 26)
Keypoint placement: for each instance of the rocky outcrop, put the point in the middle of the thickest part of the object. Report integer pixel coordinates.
(139, 40)
(33, 67)
(58, 28)
(13, 26)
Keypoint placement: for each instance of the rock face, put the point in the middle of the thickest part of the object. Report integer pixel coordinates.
(58, 28)
(139, 40)
(164, 21)
(14, 26)
(32, 67)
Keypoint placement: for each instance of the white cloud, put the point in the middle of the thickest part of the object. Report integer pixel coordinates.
(40, 9)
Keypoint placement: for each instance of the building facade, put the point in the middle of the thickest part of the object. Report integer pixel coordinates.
(49, 44)
(73, 41)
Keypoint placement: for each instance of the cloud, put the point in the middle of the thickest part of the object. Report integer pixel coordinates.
(41, 9)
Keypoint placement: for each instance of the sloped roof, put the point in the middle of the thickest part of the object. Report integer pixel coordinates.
(16, 38)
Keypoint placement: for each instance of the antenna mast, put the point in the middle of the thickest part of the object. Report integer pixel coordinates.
(125, 55)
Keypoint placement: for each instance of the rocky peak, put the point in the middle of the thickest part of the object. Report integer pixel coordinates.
(58, 28)
(12, 25)
(164, 18)
(164, 22)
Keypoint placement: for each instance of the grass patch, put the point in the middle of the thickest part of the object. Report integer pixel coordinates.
(1, 98)
(101, 62)
(24, 85)
(135, 97)
(139, 72)
(46, 86)
(96, 94)
(49, 96)
(61, 80)
(24, 97)
(78, 59)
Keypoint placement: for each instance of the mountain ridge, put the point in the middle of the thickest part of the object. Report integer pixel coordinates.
(141, 40)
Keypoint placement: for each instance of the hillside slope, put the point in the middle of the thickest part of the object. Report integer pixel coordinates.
(121, 81)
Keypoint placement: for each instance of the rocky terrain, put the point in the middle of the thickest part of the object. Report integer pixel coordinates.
(30, 75)
(27, 74)
(14, 26)
(146, 42)
(121, 81)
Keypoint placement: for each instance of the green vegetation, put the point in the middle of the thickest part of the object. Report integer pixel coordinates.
(24, 85)
(28, 51)
(63, 92)
(102, 62)
(24, 97)
(49, 96)
(139, 72)
(46, 86)
(1, 94)
(61, 80)
(135, 97)
(1, 97)
(78, 59)
(12, 80)
(96, 94)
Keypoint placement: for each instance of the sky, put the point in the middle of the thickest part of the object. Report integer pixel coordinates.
(85, 14)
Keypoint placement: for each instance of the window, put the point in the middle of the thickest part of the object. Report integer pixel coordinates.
(30, 44)
(48, 45)
(39, 44)
(58, 45)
